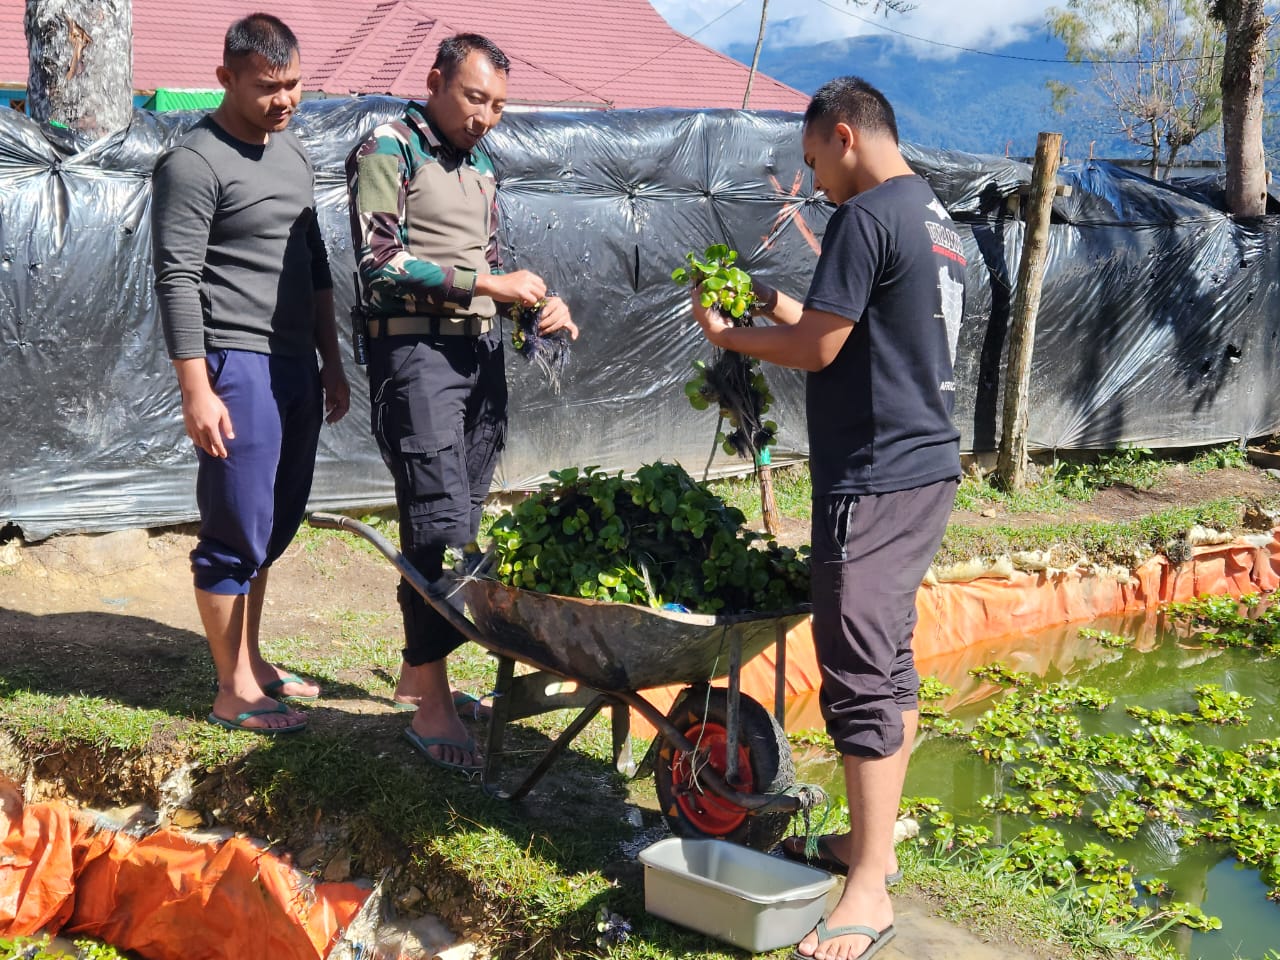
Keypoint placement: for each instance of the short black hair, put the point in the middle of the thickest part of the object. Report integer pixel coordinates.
(263, 34)
(453, 53)
(853, 101)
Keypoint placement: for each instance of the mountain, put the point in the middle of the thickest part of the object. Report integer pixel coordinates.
(970, 102)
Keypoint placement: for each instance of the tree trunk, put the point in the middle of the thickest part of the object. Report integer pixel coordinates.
(1011, 462)
(81, 63)
(1242, 71)
(755, 59)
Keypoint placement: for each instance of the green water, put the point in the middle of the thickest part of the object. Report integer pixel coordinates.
(1159, 671)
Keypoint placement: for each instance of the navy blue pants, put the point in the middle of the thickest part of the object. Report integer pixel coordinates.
(439, 413)
(870, 554)
(252, 501)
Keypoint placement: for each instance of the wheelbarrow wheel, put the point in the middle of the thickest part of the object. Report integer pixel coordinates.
(693, 809)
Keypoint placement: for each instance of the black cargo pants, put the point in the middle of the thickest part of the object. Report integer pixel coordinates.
(438, 406)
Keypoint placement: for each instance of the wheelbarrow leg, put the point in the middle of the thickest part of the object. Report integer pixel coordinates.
(735, 687)
(500, 714)
(531, 695)
(623, 761)
(780, 676)
(558, 747)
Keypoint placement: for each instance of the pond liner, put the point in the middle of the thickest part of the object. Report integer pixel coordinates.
(162, 896)
(953, 616)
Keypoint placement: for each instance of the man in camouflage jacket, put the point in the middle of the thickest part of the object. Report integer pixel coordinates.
(424, 220)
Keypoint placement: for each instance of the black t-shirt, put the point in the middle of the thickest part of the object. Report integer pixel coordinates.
(880, 413)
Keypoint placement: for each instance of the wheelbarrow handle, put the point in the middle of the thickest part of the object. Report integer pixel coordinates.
(432, 594)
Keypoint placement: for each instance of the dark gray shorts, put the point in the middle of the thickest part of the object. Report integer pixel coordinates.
(870, 554)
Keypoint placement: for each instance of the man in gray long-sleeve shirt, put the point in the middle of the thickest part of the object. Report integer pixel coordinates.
(246, 302)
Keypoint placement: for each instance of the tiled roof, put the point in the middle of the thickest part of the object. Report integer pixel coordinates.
(600, 53)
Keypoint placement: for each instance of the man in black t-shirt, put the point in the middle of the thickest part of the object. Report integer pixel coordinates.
(877, 333)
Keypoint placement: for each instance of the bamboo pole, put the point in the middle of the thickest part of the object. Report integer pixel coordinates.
(1011, 462)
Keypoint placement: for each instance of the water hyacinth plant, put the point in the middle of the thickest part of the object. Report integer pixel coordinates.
(732, 382)
(1167, 770)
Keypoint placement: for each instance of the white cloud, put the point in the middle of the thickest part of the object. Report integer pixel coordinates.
(980, 24)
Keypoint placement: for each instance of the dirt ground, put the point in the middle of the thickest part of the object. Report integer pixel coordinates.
(91, 609)
(1178, 487)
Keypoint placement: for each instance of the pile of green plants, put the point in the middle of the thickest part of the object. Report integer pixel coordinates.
(732, 381)
(657, 539)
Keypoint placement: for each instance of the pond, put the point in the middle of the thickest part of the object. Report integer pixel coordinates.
(1208, 772)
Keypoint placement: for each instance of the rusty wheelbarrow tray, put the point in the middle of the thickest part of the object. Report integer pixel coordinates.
(716, 749)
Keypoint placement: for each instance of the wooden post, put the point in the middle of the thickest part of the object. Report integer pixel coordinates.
(768, 503)
(1011, 463)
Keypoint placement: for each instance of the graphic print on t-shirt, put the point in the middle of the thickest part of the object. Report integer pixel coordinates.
(952, 308)
(947, 243)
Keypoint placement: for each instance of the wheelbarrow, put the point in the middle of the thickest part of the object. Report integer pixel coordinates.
(721, 762)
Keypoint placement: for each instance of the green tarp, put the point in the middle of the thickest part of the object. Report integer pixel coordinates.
(184, 100)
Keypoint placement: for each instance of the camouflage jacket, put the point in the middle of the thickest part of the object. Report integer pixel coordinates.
(424, 221)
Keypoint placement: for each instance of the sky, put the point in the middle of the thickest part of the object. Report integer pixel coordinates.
(981, 24)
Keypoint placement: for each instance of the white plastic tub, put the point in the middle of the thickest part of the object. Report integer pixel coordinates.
(741, 896)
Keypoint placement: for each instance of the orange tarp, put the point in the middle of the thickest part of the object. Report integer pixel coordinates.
(953, 616)
(164, 896)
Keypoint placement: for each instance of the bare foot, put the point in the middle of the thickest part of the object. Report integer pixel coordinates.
(833, 847)
(412, 683)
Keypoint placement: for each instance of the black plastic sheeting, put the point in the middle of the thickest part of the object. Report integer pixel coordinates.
(1158, 322)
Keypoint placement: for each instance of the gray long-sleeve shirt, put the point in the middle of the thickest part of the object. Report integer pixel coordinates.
(236, 245)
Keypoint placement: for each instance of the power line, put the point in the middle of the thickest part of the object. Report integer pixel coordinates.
(1009, 56)
(684, 37)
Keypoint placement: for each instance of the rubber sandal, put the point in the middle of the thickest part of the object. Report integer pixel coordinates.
(238, 722)
(423, 744)
(273, 688)
(878, 938)
(467, 706)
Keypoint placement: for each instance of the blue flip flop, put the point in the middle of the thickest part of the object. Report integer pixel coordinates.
(273, 688)
(878, 938)
(238, 722)
(423, 744)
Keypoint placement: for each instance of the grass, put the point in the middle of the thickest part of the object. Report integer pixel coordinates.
(1124, 542)
(792, 491)
(40, 948)
(976, 492)
(1053, 489)
(1229, 456)
(997, 906)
